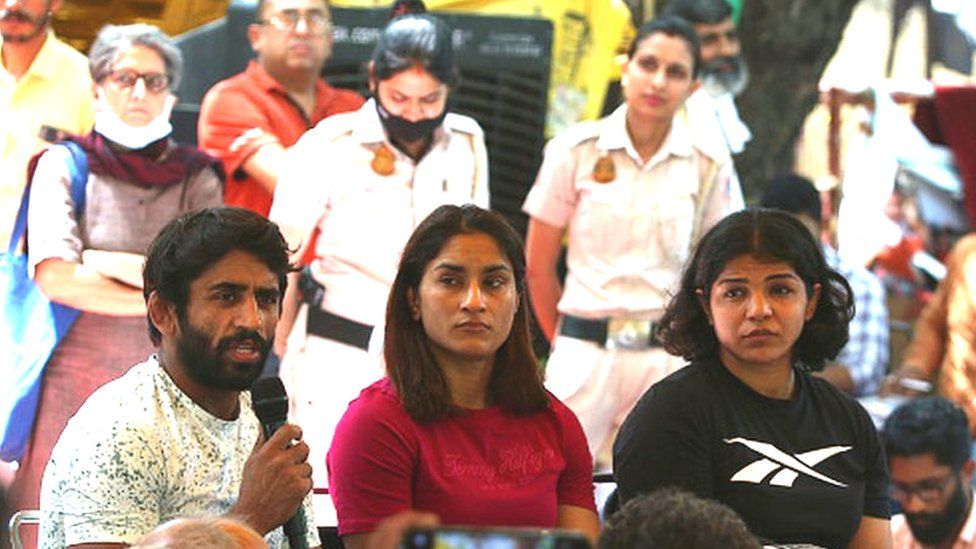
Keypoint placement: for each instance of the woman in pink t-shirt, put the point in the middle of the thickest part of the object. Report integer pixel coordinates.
(462, 426)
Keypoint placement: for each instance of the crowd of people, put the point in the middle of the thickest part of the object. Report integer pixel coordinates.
(707, 354)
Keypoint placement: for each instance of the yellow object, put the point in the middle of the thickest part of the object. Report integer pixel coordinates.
(588, 35)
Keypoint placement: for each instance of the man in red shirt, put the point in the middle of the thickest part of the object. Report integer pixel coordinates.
(251, 119)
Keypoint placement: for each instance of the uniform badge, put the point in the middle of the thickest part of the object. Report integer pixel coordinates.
(384, 161)
(604, 170)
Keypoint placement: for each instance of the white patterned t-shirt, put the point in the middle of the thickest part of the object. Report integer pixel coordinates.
(140, 452)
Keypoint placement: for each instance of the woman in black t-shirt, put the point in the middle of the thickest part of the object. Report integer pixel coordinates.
(746, 424)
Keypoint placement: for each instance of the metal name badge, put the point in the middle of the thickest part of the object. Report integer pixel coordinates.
(633, 335)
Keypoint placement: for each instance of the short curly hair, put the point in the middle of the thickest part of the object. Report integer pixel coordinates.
(674, 519)
(767, 235)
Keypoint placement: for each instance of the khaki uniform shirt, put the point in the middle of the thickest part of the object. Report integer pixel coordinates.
(365, 218)
(628, 238)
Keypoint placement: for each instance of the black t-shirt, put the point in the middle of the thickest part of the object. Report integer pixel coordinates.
(802, 470)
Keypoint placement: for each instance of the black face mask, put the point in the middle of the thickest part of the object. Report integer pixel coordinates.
(401, 130)
(934, 528)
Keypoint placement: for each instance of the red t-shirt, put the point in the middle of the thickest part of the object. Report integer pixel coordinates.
(247, 111)
(483, 468)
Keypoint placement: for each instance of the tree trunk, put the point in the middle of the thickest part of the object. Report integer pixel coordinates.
(787, 44)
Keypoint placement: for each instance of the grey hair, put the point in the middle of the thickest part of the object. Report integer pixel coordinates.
(112, 40)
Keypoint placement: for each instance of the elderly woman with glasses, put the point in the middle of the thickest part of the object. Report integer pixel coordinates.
(87, 254)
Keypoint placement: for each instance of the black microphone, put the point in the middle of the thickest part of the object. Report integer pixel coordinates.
(270, 404)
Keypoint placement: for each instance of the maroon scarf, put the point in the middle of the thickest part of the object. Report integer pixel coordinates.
(158, 164)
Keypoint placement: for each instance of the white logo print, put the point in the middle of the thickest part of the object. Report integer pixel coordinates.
(790, 466)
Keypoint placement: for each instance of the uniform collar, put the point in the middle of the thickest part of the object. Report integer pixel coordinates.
(613, 135)
(45, 65)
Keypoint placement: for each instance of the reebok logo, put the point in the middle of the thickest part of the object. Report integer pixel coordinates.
(789, 466)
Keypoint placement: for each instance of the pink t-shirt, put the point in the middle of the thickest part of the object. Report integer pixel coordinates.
(483, 468)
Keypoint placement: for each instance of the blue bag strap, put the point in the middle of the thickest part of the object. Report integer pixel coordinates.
(78, 171)
(79, 176)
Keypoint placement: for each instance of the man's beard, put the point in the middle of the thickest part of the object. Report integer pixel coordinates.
(208, 366)
(39, 23)
(725, 75)
(938, 527)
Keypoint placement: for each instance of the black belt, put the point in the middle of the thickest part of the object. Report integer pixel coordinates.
(594, 330)
(325, 324)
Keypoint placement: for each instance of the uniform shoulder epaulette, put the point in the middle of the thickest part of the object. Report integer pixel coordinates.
(578, 133)
(463, 124)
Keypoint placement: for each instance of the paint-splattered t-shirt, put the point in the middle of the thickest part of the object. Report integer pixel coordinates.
(140, 452)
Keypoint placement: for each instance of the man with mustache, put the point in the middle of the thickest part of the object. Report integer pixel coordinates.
(724, 74)
(929, 454)
(251, 119)
(45, 91)
(176, 435)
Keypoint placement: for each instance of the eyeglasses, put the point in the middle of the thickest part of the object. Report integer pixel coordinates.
(155, 82)
(287, 20)
(929, 490)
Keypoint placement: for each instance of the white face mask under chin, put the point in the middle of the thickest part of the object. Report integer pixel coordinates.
(115, 129)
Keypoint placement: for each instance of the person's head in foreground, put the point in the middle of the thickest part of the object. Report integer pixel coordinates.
(662, 64)
(675, 519)
(210, 533)
(135, 69)
(411, 72)
(756, 293)
(213, 283)
(927, 444)
(458, 302)
(723, 68)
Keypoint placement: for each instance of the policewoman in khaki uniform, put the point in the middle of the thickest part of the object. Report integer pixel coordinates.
(629, 193)
(362, 182)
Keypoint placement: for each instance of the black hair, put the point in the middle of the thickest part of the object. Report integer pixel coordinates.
(516, 379)
(928, 425)
(708, 12)
(669, 518)
(792, 194)
(767, 235)
(192, 242)
(415, 40)
(674, 27)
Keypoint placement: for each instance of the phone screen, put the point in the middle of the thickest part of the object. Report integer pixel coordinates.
(475, 538)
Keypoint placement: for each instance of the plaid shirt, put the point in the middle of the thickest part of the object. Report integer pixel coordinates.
(866, 353)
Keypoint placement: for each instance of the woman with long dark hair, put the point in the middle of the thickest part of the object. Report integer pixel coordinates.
(462, 426)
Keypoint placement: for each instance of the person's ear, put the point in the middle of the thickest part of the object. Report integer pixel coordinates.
(254, 37)
(967, 471)
(414, 304)
(162, 313)
(812, 303)
(696, 84)
(371, 78)
(703, 303)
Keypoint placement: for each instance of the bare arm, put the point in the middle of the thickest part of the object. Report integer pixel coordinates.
(579, 520)
(75, 285)
(542, 246)
(264, 165)
(289, 310)
(873, 533)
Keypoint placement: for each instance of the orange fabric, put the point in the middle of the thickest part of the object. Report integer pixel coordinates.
(945, 333)
(255, 104)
